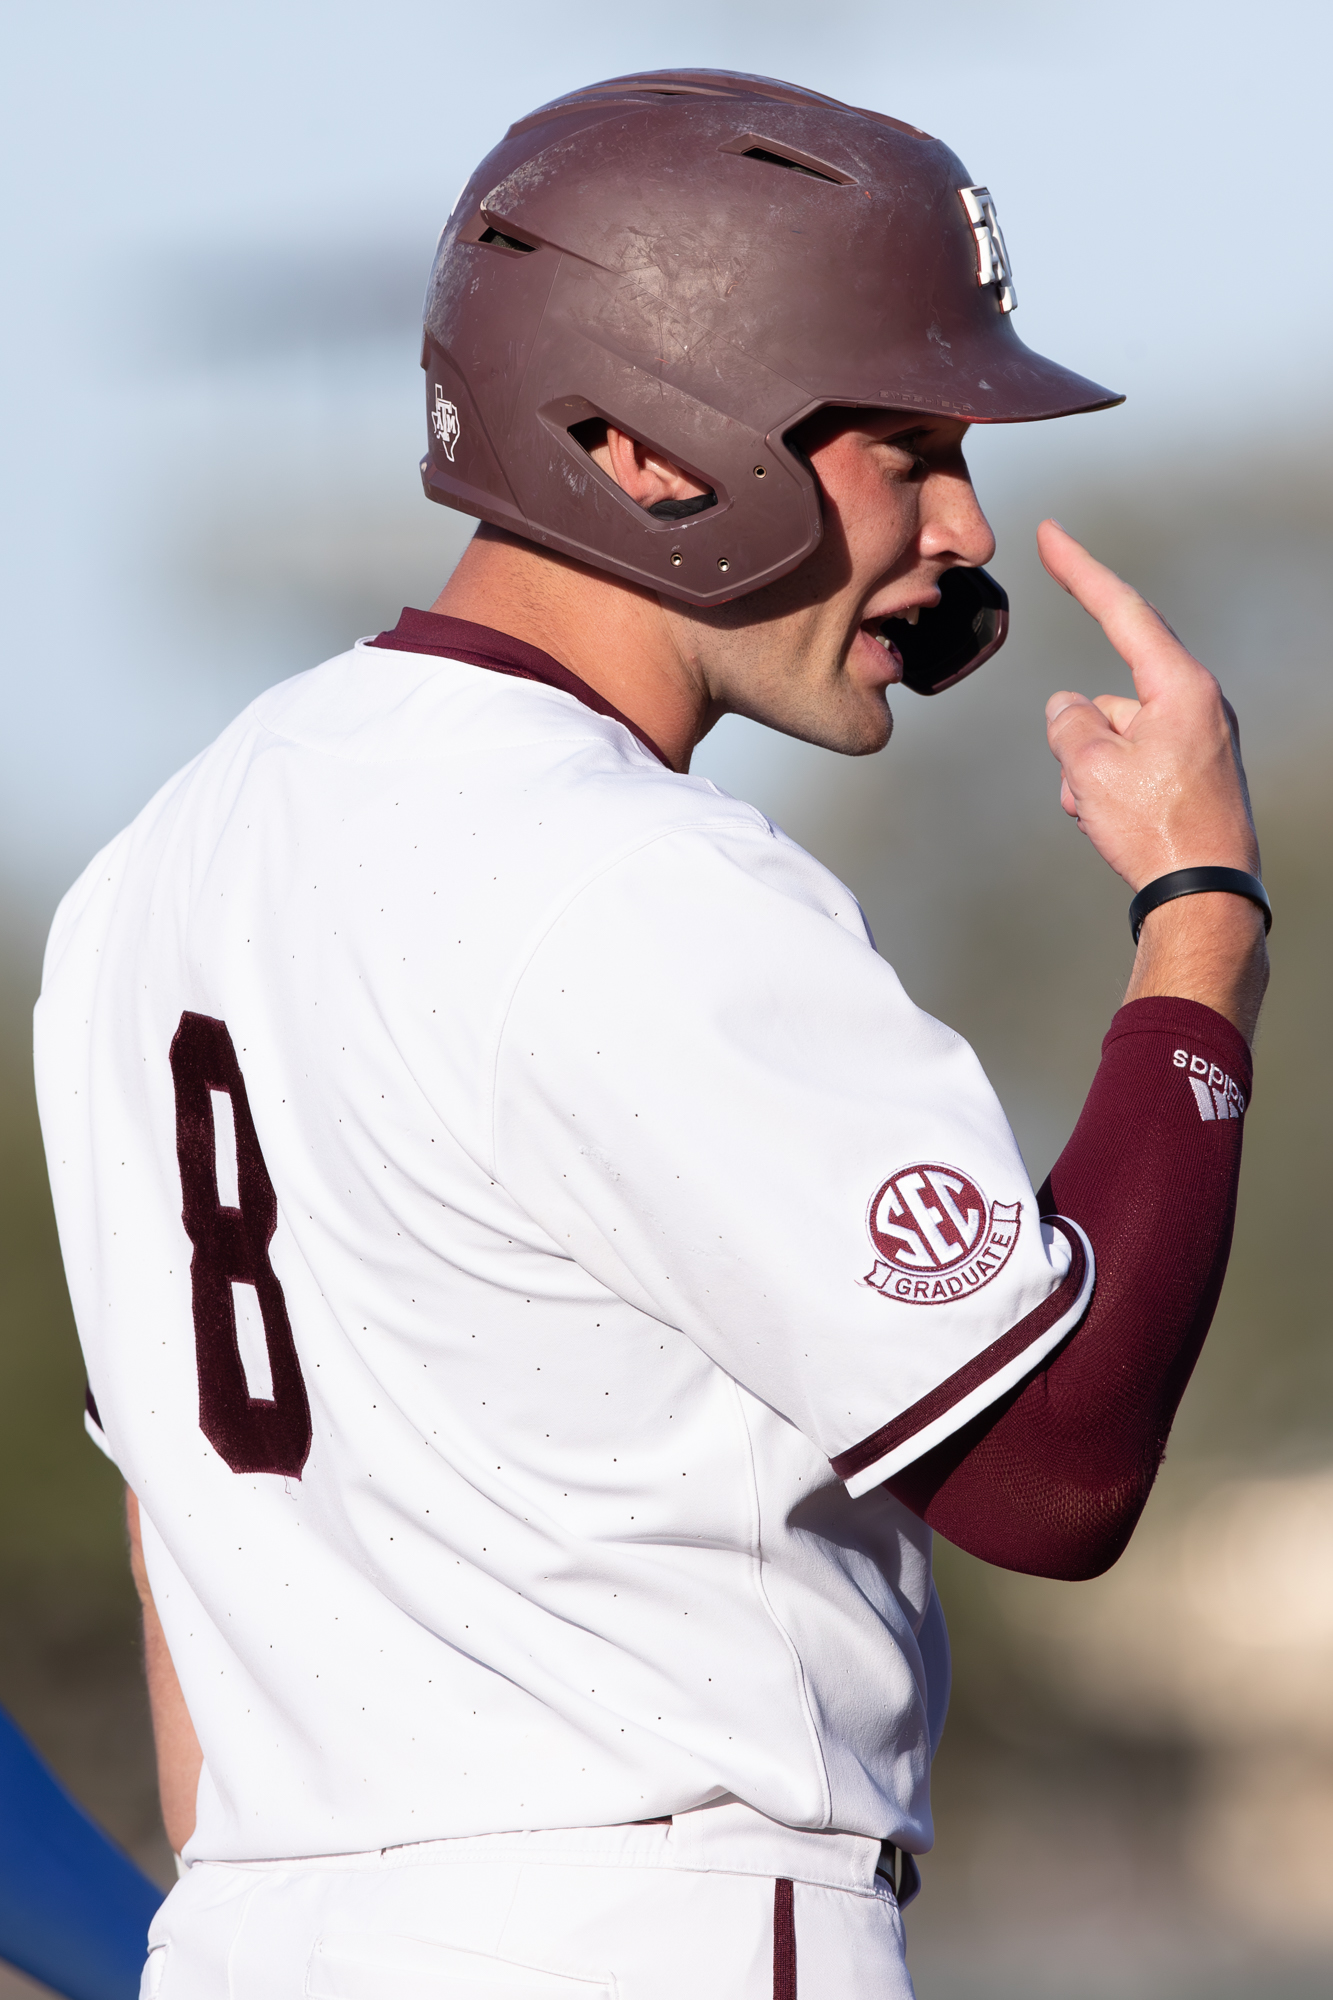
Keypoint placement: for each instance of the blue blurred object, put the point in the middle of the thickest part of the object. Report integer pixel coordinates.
(74, 1910)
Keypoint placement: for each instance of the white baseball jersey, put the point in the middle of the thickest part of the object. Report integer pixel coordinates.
(515, 1223)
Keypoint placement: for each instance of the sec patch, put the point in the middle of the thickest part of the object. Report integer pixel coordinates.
(937, 1236)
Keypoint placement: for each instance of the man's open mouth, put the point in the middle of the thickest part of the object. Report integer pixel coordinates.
(881, 631)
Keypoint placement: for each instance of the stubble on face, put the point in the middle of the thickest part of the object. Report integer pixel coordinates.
(780, 658)
(799, 654)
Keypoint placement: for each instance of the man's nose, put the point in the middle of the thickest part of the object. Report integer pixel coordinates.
(953, 525)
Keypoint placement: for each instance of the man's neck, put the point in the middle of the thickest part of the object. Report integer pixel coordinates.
(612, 635)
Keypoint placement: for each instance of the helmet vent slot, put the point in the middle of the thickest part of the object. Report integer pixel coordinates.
(792, 166)
(771, 152)
(505, 242)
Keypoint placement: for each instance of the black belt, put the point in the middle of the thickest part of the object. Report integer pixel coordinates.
(900, 1871)
(896, 1865)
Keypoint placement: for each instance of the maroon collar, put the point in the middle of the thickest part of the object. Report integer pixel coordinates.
(481, 646)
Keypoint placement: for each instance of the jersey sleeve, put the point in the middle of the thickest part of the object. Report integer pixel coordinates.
(713, 1095)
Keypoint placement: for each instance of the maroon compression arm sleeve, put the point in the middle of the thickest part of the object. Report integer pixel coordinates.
(1053, 1478)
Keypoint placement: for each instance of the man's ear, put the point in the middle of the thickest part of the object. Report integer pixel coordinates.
(647, 477)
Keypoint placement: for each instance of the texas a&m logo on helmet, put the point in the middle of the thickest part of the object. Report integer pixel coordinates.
(445, 423)
(937, 1236)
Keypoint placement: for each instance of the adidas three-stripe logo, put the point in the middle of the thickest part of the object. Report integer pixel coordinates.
(1216, 1094)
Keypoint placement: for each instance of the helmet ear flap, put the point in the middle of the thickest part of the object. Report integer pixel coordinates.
(955, 637)
(461, 467)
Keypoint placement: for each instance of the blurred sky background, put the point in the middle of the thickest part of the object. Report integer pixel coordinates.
(217, 224)
(219, 219)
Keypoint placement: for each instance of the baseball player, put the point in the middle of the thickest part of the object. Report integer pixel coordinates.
(540, 1276)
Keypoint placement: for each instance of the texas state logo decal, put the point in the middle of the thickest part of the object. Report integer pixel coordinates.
(937, 1236)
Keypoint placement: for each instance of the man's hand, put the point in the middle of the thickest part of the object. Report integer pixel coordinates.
(1157, 784)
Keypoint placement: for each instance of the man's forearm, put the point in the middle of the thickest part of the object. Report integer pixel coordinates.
(1053, 1478)
(179, 1757)
(1209, 948)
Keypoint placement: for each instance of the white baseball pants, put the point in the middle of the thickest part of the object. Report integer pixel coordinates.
(718, 1904)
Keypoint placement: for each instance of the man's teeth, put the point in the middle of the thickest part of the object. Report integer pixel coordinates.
(880, 632)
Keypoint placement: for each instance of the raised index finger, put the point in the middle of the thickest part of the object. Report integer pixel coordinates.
(1142, 638)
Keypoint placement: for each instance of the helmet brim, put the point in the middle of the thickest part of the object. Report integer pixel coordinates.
(991, 379)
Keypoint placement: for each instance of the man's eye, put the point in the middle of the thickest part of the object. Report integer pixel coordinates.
(906, 449)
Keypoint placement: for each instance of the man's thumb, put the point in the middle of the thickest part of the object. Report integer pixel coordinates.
(1066, 698)
(1071, 721)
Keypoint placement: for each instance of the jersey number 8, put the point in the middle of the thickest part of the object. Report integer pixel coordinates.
(251, 1433)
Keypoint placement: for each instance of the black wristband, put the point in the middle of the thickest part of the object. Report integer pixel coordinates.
(1198, 882)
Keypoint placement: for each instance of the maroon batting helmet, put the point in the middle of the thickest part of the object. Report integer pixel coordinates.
(702, 259)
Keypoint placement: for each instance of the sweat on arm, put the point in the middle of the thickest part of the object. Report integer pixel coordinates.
(1052, 1479)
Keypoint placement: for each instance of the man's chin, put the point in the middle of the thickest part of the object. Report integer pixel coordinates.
(867, 740)
(858, 732)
